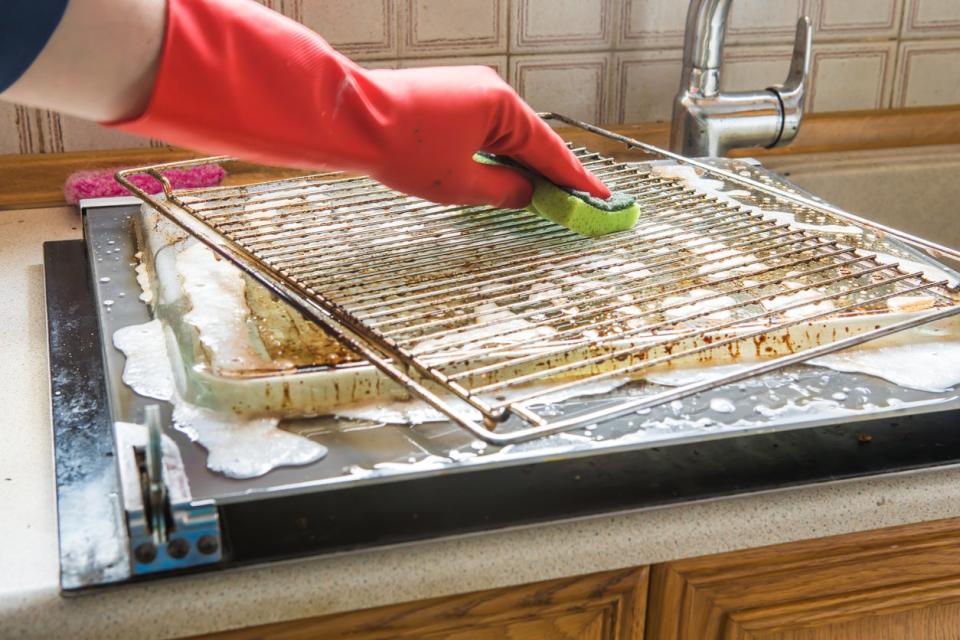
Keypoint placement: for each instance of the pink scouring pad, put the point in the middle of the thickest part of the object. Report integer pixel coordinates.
(100, 183)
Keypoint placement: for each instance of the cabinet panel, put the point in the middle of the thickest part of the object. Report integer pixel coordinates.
(602, 606)
(902, 582)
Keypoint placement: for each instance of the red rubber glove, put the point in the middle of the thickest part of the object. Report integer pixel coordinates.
(239, 79)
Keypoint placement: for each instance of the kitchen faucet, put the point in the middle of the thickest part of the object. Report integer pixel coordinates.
(707, 122)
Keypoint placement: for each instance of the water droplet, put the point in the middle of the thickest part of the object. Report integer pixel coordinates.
(478, 445)
(839, 396)
(104, 279)
(108, 303)
(111, 242)
(122, 294)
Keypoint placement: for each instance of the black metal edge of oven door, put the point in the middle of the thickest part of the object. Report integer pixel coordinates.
(459, 503)
(91, 530)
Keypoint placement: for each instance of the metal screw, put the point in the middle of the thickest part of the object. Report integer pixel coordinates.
(145, 553)
(207, 545)
(178, 548)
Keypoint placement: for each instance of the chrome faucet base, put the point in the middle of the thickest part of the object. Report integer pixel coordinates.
(708, 122)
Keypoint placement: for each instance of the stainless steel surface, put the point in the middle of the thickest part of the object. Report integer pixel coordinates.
(400, 281)
(707, 122)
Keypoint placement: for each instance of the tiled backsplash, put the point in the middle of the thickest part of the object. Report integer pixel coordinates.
(610, 61)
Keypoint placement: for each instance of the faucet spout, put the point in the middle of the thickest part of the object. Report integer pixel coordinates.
(708, 122)
(703, 45)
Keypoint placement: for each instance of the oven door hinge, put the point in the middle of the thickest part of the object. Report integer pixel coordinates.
(168, 530)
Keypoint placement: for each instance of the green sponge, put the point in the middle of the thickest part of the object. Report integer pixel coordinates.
(576, 210)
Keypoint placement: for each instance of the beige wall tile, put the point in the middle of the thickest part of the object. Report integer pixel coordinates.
(852, 76)
(380, 64)
(28, 130)
(574, 85)
(11, 129)
(497, 63)
(453, 27)
(80, 135)
(643, 85)
(928, 74)
(660, 23)
(765, 21)
(752, 68)
(650, 24)
(561, 25)
(361, 29)
(931, 19)
(854, 19)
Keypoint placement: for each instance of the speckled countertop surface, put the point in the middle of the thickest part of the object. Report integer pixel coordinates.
(30, 605)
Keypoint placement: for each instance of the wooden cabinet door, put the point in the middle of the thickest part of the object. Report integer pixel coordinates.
(892, 584)
(603, 606)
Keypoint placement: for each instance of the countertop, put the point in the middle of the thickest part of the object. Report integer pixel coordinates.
(30, 604)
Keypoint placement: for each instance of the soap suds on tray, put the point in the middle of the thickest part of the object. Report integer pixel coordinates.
(689, 177)
(695, 305)
(495, 326)
(218, 311)
(143, 279)
(419, 412)
(238, 446)
(807, 295)
(925, 366)
(930, 272)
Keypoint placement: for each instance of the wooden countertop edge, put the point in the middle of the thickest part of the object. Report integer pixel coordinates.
(36, 180)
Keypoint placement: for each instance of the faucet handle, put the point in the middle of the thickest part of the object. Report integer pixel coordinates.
(792, 92)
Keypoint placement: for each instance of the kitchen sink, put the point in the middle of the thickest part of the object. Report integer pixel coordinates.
(914, 189)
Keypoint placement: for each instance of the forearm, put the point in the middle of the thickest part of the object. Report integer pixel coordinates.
(99, 63)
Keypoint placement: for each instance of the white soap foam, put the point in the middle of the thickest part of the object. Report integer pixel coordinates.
(143, 279)
(689, 177)
(779, 302)
(419, 412)
(696, 305)
(910, 303)
(495, 326)
(911, 266)
(218, 311)
(925, 366)
(722, 405)
(237, 446)
(682, 377)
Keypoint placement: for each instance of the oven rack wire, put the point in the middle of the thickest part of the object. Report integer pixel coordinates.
(482, 311)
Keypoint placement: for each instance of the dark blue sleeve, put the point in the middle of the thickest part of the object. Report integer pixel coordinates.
(25, 27)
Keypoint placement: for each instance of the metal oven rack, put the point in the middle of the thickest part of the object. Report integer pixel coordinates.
(482, 311)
